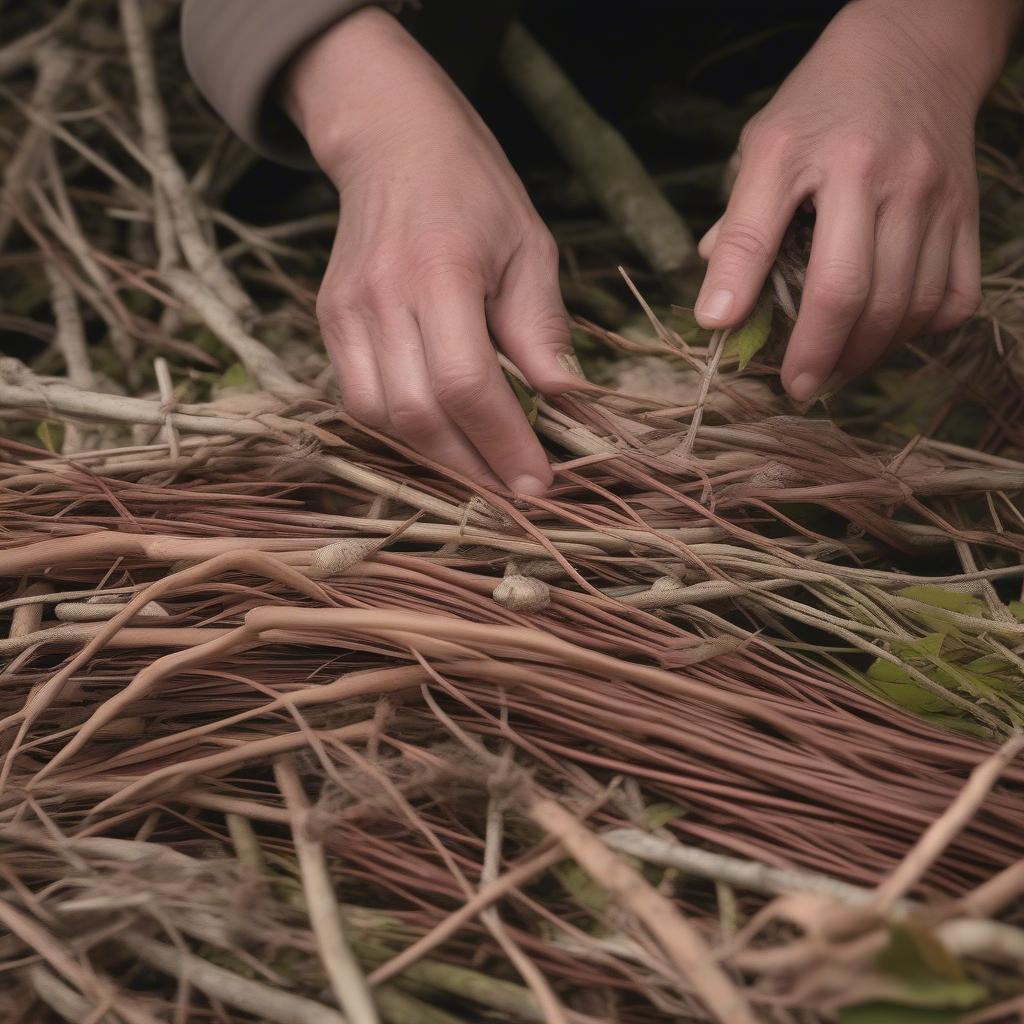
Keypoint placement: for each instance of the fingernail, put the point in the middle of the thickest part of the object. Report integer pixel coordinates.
(716, 306)
(527, 484)
(803, 387)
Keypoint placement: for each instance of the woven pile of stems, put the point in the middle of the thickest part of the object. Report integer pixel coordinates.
(297, 727)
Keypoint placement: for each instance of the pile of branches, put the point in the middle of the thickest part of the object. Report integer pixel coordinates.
(298, 727)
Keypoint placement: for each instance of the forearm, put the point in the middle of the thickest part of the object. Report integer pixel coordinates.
(359, 85)
(968, 40)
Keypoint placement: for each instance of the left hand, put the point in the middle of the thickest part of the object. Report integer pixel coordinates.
(876, 128)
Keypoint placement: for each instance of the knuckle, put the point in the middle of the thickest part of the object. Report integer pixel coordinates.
(924, 303)
(434, 257)
(364, 406)
(769, 137)
(863, 155)
(961, 305)
(884, 312)
(413, 417)
(544, 245)
(744, 241)
(464, 390)
(377, 281)
(840, 287)
(335, 314)
(551, 329)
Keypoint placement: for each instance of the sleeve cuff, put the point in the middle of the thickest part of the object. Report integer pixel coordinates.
(235, 50)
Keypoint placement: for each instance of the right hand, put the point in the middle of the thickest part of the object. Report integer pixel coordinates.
(438, 249)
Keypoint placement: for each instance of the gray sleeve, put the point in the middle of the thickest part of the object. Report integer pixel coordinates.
(234, 51)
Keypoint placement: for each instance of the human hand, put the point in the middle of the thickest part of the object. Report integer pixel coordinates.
(438, 248)
(876, 127)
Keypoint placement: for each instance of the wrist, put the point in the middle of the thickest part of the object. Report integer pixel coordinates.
(966, 41)
(359, 88)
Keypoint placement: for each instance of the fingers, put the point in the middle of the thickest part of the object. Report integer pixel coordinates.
(963, 288)
(470, 386)
(838, 281)
(348, 344)
(529, 321)
(414, 414)
(898, 251)
(746, 239)
(929, 290)
(706, 246)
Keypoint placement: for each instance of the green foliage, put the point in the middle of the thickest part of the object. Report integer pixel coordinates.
(236, 378)
(746, 341)
(932, 984)
(891, 1013)
(660, 814)
(51, 435)
(915, 954)
(584, 889)
(940, 597)
(527, 397)
(953, 665)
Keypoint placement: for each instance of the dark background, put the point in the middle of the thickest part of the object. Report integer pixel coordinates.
(678, 79)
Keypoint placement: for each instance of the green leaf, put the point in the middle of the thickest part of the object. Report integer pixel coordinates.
(51, 435)
(660, 814)
(891, 1013)
(928, 976)
(990, 665)
(915, 954)
(1017, 609)
(746, 341)
(912, 697)
(587, 892)
(235, 376)
(949, 600)
(526, 396)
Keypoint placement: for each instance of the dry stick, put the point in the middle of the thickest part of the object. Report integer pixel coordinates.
(716, 347)
(342, 968)
(355, 684)
(65, 1001)
(53, 67)
(67, 964)
(64, 224)
(487, 894)
(547, 1000)
(166, 386)
(598, 154)
(246, 561)
(262, 1001)
(400, 626)
(70, 336)
(960, 935)
(994, 894)
(678, 939)
(942, 831)
(21, 389)
(201, 256)
(258, 360)
(253, 750)
(70, 341)
(26, 618)
(752, 876)
(20, 51)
